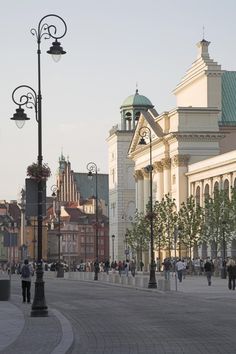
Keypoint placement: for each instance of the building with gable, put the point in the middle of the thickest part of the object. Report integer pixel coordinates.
(193, 145)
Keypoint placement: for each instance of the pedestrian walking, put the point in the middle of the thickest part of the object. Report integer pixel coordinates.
(231, 269)
(166, 268)
(141, 264)
(132, 268)
(127, 268)
(180, 267)
(120, 268)
(26, 272)
(106, 266)
(208, 268)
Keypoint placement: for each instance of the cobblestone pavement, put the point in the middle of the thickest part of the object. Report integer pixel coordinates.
(108, 319)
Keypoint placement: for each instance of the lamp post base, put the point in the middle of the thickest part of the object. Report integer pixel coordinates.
(96, 270)
(152, 280)
(95, 275)
(39, 307)
(60, 271)
(223, 273)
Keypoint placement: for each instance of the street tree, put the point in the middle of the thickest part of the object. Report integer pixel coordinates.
(138, 237)
(190, 221)
(166, 219)
(219, 223)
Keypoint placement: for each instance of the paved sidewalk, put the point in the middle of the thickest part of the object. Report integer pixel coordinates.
(22, 334)
(198, 285)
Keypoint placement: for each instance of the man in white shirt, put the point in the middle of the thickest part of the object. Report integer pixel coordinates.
(180, 267)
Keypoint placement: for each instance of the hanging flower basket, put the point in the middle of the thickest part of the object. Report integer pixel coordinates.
(38, 172)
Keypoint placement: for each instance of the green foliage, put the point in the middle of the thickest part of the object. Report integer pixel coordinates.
(138, 236)
(219, 219)
(190, 221)
(165, 222)
(233, 211)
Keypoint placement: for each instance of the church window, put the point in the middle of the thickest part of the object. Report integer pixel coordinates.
(137, 115)
(198, 195)
(173, 179)
(216, 187)
(206, 192)
(226, 186)
(128, 115)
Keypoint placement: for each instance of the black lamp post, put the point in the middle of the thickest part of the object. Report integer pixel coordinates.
(56, 194)
(145, 132)
(113, 247)
(25, 95)
(93, 170)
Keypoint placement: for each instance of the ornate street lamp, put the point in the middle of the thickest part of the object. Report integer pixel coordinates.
(145, 132)
(93, 170)
(56, 194)
(25, 95)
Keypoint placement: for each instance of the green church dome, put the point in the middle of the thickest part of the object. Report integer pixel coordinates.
(137, 100)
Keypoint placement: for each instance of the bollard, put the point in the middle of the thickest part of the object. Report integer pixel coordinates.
(4, 289)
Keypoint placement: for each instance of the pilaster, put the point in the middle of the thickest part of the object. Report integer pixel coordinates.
(166, 163)
(158, 170)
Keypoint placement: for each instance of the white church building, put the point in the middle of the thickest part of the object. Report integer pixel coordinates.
(193, 146)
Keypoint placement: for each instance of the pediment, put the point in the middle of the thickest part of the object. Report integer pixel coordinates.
(146, 119)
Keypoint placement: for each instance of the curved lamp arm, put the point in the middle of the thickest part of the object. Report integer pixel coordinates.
(24, 95)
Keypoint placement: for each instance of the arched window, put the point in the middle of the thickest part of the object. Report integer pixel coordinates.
(137, 115)
(206, 192)
(226, 186)
(216, 188)
(198, 195)
(128, 115)
(128, 118)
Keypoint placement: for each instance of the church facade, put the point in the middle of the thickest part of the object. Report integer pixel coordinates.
(192, 146)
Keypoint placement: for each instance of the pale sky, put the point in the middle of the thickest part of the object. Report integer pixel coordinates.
(111, 45)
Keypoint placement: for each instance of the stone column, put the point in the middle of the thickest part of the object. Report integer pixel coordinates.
(158, 169)
(211, 187)
(138, 175)
(146, 187)
(180, 164)
(192, 189)
(202, 201)
(166, 162)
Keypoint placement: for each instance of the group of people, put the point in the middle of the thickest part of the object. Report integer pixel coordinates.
(230, 268)
(180, 266)
(27, 271)
(120, 266)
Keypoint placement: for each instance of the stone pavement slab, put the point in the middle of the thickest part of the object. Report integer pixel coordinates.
(22, 334)
(12, 322)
